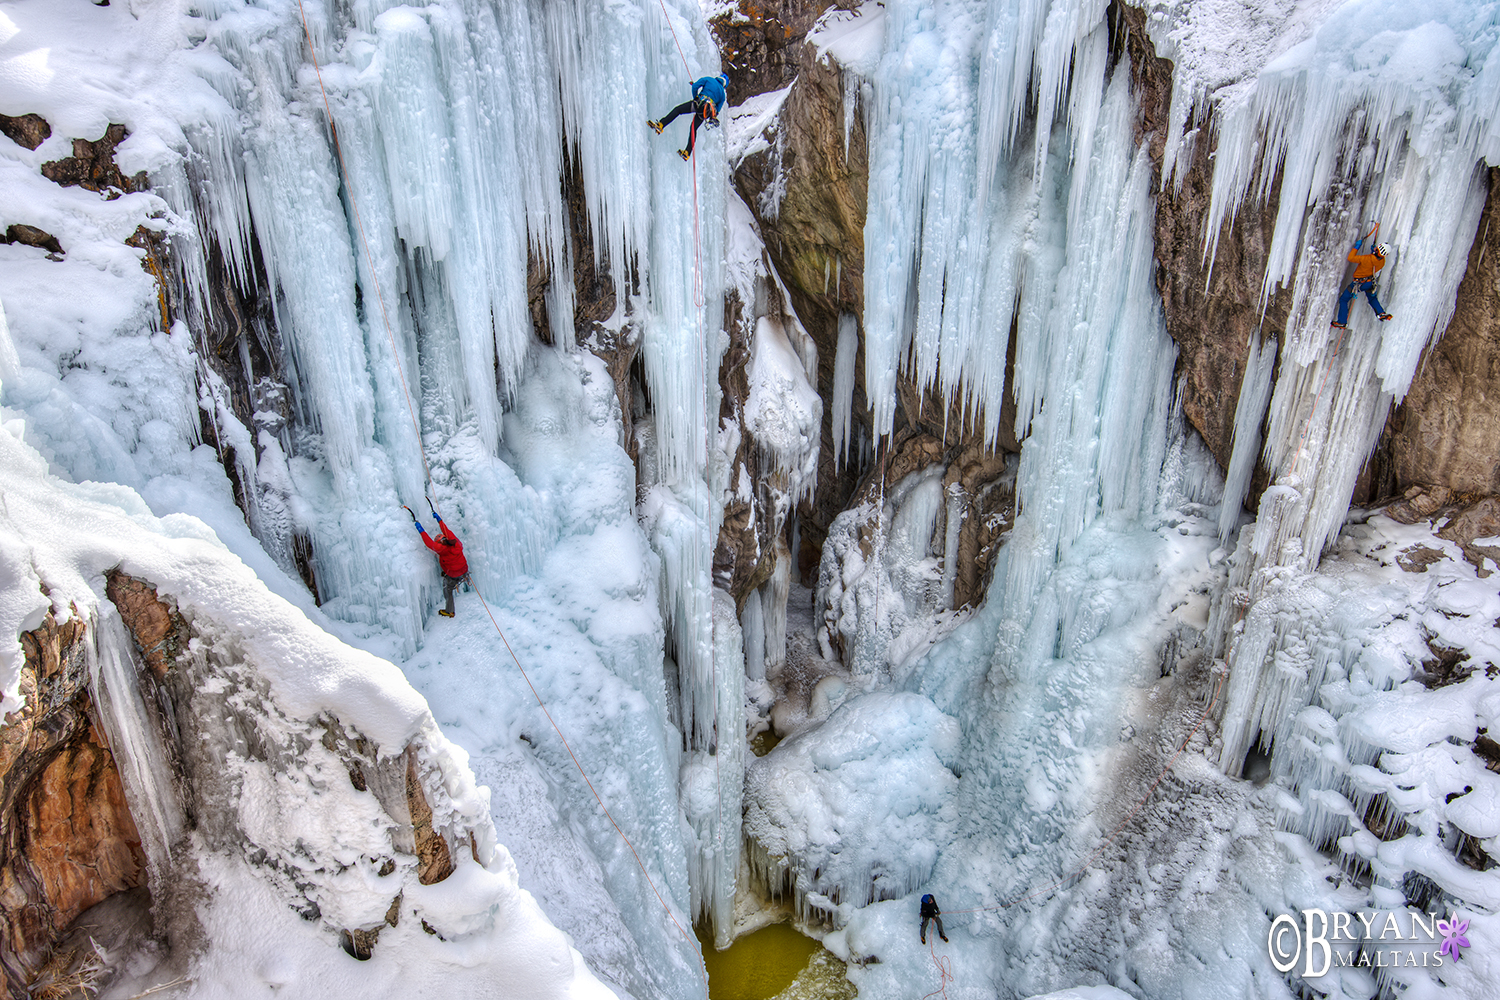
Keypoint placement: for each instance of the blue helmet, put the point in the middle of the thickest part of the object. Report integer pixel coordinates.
(724, 79)
(927, 898)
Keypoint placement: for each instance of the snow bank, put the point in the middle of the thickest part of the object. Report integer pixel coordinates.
(857, 809)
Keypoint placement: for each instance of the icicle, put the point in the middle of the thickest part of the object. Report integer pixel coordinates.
(754, 627)
(1255, 392)
(135, 738)
(844, 360)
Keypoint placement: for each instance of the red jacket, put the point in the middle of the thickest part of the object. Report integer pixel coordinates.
(450, 557)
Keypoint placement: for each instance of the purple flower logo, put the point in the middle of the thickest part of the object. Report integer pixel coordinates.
(1453, 936)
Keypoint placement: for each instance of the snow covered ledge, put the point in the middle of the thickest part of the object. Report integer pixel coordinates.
(306, 826)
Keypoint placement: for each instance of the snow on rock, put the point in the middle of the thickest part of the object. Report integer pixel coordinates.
(282, 837)
(783, 412)
(857, 809)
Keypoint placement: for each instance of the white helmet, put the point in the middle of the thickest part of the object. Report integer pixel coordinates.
(1381, 250)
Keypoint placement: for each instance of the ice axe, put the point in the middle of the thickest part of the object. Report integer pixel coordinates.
(413, 514)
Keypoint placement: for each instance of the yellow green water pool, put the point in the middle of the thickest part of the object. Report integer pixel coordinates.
(773, 963)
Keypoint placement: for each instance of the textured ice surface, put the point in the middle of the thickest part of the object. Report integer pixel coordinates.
(855, 810)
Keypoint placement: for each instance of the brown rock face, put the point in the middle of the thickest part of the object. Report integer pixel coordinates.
(93, 166)
(1482, 520)
(1448, 428)
(815, 238)
(158, 629)
(434, 863)
(26, 130)
(759, 43)
(1212, 308)
(31, 236)
(67, 840)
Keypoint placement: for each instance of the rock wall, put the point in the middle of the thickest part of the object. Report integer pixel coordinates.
(67, 840)
(1446, 433)
(1447, 430)
(1212, 307)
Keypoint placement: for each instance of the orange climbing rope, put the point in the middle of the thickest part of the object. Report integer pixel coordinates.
(944, 966)
(411, 409)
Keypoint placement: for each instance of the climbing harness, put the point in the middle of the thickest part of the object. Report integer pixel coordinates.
(416, 426)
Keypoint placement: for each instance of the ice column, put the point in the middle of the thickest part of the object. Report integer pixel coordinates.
(844, 358)
(135, 737)
(1255, 393)
(950, 95)
(713, 780)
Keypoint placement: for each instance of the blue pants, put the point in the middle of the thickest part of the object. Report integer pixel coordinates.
(1347, 296)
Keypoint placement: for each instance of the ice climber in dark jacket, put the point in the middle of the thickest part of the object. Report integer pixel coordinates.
(450, 552)
(709, 97)
(931, 912)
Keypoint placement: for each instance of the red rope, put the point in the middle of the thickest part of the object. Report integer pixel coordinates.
(674, 36)
(945, 970)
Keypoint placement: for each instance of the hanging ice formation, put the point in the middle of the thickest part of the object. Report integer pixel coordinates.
(394, 267)
(1350, 139)
(982, 216)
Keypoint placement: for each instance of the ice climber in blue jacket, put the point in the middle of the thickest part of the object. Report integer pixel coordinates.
(709, 97)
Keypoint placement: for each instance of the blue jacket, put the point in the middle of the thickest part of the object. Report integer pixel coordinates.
(712, 88)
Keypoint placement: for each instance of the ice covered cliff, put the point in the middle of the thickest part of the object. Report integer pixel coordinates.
(997, 257)
(882, 451)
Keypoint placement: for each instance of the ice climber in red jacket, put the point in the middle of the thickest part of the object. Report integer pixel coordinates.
(450, 553)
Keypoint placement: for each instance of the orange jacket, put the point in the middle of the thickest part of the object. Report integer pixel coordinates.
(1366, 264)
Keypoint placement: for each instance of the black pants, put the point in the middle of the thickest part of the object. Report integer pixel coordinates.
(700, 112)
(451, 584)
(935, 920)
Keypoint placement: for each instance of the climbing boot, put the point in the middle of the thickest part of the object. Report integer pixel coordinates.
(1338, 326)
(657, 125)
(445, 612)
(684, 153)
(1385, 316)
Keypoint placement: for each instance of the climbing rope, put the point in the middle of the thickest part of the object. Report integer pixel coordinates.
(944, 966)
(411, 409)
(699, 300)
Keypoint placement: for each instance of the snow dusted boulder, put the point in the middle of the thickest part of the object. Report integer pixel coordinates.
(857, 809)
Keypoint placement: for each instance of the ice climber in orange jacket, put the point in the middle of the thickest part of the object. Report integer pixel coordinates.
(1366, 265)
